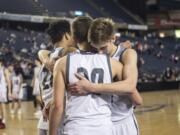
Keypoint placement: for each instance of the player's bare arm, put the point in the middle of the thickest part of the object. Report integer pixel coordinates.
(130, 73)
(127, 85)
(83, 86)
(136, 98)
(57, 107)
(43, 56)
(115, 88)
(49, 62)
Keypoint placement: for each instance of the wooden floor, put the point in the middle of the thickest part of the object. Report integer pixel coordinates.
(160, 115)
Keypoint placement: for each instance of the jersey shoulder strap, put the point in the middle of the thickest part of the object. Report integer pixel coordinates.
(119, 52)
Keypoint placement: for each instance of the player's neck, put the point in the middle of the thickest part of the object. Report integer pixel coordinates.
(62, 44)
(84, 46)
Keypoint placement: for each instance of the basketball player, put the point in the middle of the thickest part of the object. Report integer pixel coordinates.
(89, 114)
(80, 113)
(80, 27)
(16, 90)
(35, 85)
(4, 84)
(60, 35)
(122, 106)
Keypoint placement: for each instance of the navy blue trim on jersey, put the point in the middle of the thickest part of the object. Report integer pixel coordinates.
(120, 57)
(109, 65)
(135, 123)
(60, 52)
(115, 52)
(67, 68)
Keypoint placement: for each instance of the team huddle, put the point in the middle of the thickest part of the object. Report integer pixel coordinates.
(93, 89)
(87, 84)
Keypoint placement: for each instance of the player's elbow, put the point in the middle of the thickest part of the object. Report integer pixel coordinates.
(131, 85)
(129, 88)
(139, 101)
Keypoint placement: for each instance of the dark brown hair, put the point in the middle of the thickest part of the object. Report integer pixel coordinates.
(80, 28)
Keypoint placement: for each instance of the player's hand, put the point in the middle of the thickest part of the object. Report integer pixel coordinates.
(81, 87)
(136, 98)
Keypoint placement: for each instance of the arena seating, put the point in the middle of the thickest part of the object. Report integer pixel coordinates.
(155, 59)
(112, 10)
(20, 7)
(96, 8)
(169, 4)
(69, 5)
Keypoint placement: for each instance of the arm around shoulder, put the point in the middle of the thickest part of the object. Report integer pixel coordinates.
(43, 55)
(130, 71)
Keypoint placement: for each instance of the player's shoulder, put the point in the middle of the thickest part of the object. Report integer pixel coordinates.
(115, 63)
(61, 61)
(129, 52)
(69, 50)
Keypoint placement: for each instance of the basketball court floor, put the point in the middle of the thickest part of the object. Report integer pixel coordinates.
(159, 115)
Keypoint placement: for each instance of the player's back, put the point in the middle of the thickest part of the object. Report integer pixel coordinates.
(89, 113)
(95, 68)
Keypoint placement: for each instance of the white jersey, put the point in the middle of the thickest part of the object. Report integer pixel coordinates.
(119, 51)
(57, 53)
(2, 77)
(122, 106)
(90, 110)
(16, 85)
(16, 82)
(46, 79)
(36, 90)
(3, 86)
(46, 84)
